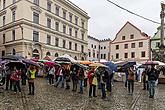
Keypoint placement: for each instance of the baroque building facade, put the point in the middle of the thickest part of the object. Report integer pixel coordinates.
(130, 44)
(39, 28)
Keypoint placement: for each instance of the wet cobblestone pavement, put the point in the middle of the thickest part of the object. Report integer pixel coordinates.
(47, 97)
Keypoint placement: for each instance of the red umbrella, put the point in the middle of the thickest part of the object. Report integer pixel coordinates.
(151, 63)
(50, 63)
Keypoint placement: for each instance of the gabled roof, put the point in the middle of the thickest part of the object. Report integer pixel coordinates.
(142, 33)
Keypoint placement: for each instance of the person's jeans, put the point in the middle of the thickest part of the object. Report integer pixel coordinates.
(103, 90)
(130, 85)
(17, 86)
(92, 88)
(81, 82)
(31, 87)
(151, 87)
(51, 79)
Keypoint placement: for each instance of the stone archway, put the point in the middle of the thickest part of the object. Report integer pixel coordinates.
(13, 52)
(48, 54)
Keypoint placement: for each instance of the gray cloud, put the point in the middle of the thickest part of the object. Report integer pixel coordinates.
(106, 19)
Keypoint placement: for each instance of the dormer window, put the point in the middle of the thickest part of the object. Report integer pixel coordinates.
(123, 37)
(132, 36)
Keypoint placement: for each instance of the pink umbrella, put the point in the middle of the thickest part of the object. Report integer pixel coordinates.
(50, 63)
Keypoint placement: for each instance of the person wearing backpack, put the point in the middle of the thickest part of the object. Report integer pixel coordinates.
(153, 75)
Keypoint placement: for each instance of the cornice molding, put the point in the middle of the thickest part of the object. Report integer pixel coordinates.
(13, 8)
(37, 9)
(3, 12)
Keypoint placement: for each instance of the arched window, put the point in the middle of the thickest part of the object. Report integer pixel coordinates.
(48, 54)
(56, 55)
(14, 52)
(35, 54)
(75, 57)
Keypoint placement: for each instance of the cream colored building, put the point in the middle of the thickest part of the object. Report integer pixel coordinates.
(130, 44)
(98, 49)
(43, 27)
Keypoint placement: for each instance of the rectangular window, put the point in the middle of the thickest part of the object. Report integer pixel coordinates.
(70, 45)
(14, 1)
(82, 48)
(76, 33)
(70, 31)
(101, 56)
(125, 55)
(97, 55)
(101, 48)
(117, 47)
(123, 37)
(35, 17)
(132, 36)
(143, 54)
(104, 47)
(64, 14)
(48, 39)
(36, 2)
(117, 55)
(125, 46)
(35, 36)
(64, 29)
(4, 39)
(132, 54)
(4, 4)
(82, 24)
(76, 20)
(157, 44)
(140, 44)
(104, 56)
(3, 53)
(13, 16)
(82, 36)
(70, 17)
(4, 18)
(49, 6)
(48, 22)
(89, 54)
(64, 43)
(57, 26)
(95, 46)
(56, 42)
(132, 45)
(13, 35)
(93, 54)
(57, 10)
(75, 46)
(91, 45)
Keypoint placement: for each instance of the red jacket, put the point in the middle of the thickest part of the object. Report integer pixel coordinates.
(90, 77)
(15, 76)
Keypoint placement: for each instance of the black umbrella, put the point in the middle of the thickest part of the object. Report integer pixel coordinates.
(63, 59)
(12, 57)
(17, 64)
(30, 62)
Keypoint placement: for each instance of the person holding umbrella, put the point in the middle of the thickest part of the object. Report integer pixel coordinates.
(31, 76)
(153, 75)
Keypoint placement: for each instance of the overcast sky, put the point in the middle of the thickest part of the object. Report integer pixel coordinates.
(106, 19)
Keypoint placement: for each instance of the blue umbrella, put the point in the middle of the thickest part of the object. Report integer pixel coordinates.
(129, 64)
(111, 65)
(30, 62)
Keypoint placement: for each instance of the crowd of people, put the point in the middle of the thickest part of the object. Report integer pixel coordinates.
(76, 78)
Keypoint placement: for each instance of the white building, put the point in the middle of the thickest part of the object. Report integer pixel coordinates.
(130, 44)
(98, 49)
(39, 28)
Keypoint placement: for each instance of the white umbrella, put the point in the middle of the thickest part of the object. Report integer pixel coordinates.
(68, 57)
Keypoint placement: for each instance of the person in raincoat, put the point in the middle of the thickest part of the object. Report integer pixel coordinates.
(31, 76)
(131, 77)
(92, 82)
(16, 77)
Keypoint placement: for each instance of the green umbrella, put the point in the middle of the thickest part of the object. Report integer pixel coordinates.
(42, 61)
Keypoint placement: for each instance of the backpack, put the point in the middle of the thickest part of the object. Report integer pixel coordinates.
(153, 75)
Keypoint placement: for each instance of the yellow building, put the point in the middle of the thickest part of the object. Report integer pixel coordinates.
(42, 28)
